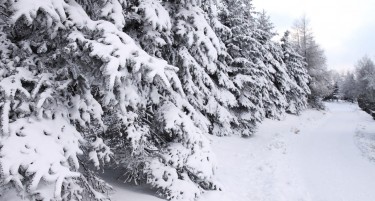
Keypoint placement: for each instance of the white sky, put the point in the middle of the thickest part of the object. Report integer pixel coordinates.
(344, 28)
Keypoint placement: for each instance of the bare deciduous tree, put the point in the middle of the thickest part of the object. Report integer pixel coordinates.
(315, 58)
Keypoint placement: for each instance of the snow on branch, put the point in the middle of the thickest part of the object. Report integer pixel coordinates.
(26, 161)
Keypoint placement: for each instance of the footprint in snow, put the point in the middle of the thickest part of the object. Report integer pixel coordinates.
(295, 130)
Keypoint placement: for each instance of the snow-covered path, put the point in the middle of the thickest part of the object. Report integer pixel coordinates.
(318, 156)
(329, 161)
(315, 156)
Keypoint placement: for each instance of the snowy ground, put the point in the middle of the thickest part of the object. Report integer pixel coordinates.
(318, 156)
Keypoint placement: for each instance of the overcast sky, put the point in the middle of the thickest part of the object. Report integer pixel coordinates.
(344, 28)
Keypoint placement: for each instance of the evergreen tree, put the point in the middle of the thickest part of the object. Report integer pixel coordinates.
(149, 23)
(265, 26)
(189, 41)
(135, 85)
(271, 54)
(335, 95)
(258, 67)
(73, 81)
(247, 68)
(203, 74)
(296, 68)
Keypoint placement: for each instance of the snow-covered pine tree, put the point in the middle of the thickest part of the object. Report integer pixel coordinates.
(200, 57)
(149, 23)
(296, 68)
(277, 75)
(259, 71)
(335, 94)
(72, 79)
(246, 65)
(336, 91)
(264, 26)
(181, 32)
(204, 87)
(41, 104)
